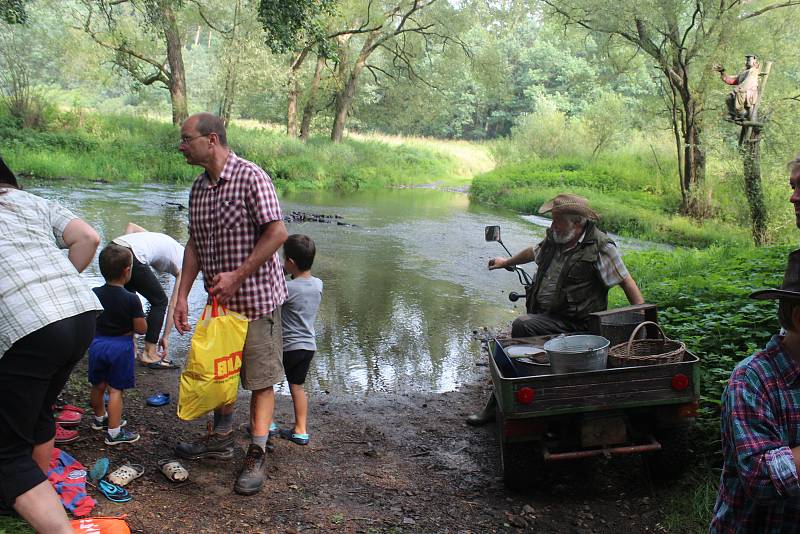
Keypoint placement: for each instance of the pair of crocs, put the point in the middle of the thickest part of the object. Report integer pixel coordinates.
(159, 399)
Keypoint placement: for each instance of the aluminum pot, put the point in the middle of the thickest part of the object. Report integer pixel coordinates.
(578, 353)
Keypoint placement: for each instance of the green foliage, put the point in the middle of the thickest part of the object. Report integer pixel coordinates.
(702, 297)
(13, 11)
(288, 23)
(122, 148)
(10, 525)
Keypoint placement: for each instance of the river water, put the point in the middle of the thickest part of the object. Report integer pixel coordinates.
(404, 287)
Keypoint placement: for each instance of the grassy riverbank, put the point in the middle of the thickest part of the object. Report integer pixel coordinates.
(125, 148)
(633, 198)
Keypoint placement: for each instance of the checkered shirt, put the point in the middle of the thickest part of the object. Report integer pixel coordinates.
(225, 223)
(759, 489)
(609, 265)
(38, 284)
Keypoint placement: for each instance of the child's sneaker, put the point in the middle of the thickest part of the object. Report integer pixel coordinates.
(124, 436)
(104, 424)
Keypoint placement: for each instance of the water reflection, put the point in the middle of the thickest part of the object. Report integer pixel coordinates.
(404, 288)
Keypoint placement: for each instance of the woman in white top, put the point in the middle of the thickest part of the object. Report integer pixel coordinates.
(48, 319)
(159, 252)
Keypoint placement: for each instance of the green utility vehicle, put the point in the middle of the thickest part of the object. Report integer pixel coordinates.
(543, 416)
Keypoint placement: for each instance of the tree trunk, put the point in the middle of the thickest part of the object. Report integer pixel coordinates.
(691, 154)
(231, 72)
(751, 154)
(291, 111)
(294, 89)
(309, 110)
(345, 97)
(177, 79)
(228, 96)
(694, 166)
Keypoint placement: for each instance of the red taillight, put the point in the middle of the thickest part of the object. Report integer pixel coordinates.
(525, 395)
(680, 382)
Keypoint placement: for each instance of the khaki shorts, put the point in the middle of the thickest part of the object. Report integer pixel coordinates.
(262, 357)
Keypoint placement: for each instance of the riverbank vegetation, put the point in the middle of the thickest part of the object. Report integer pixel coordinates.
(94, 146)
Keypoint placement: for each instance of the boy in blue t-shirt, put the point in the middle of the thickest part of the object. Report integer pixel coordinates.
(112, 352)
(297, 315)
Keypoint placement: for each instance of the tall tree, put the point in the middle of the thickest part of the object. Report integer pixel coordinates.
(297, 26)
(101, 20)
(679, 36)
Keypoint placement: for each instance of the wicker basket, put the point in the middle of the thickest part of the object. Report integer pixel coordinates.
(638, 352)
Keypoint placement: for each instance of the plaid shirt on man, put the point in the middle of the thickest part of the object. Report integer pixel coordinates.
(225, 223)
(759, 490)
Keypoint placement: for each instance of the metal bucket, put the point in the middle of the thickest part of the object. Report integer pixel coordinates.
(575, 354)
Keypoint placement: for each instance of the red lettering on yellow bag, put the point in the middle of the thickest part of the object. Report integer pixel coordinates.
(227, 365)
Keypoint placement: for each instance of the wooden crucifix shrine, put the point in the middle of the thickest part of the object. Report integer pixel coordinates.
(743, 103)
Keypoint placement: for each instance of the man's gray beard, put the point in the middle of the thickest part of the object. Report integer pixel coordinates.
(565, 238)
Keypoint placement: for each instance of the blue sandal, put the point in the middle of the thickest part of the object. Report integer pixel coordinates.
(113, 493)
(99, 470)
(288, 433)
(159, 399)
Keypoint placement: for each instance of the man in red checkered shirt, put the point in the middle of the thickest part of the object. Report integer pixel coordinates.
(235, 230)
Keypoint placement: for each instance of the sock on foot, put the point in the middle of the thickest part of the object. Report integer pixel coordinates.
(261, 441)
(113, 432)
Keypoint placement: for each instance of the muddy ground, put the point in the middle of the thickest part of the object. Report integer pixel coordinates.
(384, 464)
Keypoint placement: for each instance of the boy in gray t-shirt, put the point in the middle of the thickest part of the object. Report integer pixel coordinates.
(298, 315)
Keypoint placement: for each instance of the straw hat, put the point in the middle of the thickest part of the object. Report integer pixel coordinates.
(790, 288)
(567, 204)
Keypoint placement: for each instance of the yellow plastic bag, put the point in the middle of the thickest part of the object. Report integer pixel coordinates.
(210, 378)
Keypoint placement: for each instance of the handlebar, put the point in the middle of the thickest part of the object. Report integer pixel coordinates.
(514, 296)
(508, 268)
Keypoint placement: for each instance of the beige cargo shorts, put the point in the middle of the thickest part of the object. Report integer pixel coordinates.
(262, 357)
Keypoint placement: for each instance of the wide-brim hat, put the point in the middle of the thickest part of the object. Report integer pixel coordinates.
(568, 204)
(790, 288)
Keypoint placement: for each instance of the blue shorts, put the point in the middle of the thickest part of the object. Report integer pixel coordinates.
(111, 360)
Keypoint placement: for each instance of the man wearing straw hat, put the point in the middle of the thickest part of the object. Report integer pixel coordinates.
(577, 264)
(759, 488)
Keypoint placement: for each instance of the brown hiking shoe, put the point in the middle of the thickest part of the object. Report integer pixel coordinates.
(251, 478)
(212, 445)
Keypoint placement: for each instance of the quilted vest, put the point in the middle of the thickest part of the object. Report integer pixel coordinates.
(579, 289)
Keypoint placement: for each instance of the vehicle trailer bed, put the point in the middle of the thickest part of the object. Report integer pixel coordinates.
(545, 417)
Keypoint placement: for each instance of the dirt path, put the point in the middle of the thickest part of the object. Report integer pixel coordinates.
(387, 464)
